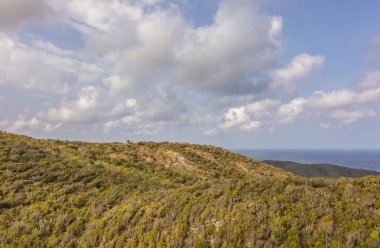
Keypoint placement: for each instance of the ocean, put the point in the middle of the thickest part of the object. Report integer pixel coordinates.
(361, 159)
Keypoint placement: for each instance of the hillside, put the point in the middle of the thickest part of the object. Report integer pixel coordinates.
(320, 170)
(77, 194)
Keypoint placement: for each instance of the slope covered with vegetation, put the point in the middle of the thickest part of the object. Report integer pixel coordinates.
(76, 194)
(321, 170)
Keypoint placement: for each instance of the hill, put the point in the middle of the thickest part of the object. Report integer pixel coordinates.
(76, 194)
(320, 170)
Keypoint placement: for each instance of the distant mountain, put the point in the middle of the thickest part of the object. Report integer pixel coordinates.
(320, 170)
(143, 194)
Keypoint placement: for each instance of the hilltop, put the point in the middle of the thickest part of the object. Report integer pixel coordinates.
(320, 170)
(77, 194)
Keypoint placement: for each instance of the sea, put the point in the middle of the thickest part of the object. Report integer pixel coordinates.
(360, 159)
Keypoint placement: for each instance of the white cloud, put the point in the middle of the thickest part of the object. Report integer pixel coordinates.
(369, 95)
(138, 45)
(26, 125)
(99, 15)
(324, 126)
(250, 117)
(291, 111)
(163, 105)
(210, 132)
(144, 66)
(218, 59)
(146, 47)
(252, 126)
(129, 120)
(322, 102)
(235, 117)
(336, 105)
(82, 110)
(371, 80)
(276, 29)
(110, 125)
(132, 50)
(260, 108)
(129, 116)
(131, 103)
(117, 84)
(342, 98)
(332, 99)
(299, 68)
(46, 69)
(48, 47)
(124, 108)
(348, 117)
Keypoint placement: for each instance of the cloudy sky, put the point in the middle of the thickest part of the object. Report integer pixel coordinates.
(232, 73)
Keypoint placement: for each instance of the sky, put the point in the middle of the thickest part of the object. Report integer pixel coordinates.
(253, 74)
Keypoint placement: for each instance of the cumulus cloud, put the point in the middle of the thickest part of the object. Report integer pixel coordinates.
(161, 45)
(235, 117)
(122, 114)
(370, 81)
(43, 67)
(144, 65)
(138, 45)
(125, 121)
(299, 68)
(81, 110)
(250, 117)
(140, 54)
(260, 108)
(160, 106)
(323, 102)
(291, 111)
(345, 106)
(163, 106)
(342, 98)
(324, 126)
(215, 58)
(26, 125)
(332, 99)
(116, 84)
(348, 117)
(124, 108)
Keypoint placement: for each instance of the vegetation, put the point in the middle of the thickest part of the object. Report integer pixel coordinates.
(320, 170)
(76, 194)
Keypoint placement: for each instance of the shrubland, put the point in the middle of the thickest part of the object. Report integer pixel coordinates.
(76, 194)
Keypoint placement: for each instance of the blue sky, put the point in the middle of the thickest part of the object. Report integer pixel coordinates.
(238, 74)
